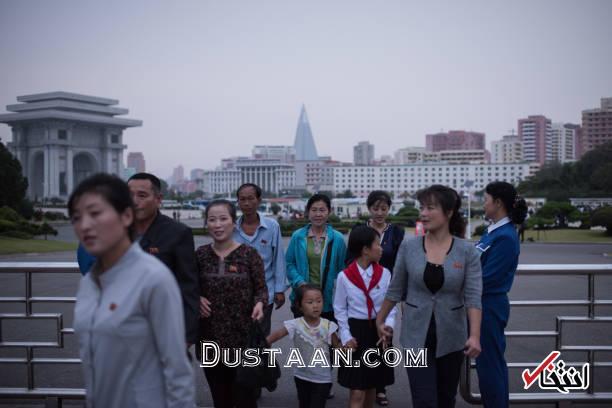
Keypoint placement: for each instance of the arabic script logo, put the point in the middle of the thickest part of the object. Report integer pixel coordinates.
(555, 375)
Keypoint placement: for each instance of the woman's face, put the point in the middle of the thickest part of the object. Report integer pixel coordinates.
(97, 224)
(491, 206)
(318, 213)
(379, 212)
(220, 223)
(433, 217)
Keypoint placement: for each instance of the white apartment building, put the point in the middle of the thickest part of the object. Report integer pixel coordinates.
(361, 180)
(507, 150)
(271, 175)
(284, 154)
(363, 154)
(563, 141)
(409, 155)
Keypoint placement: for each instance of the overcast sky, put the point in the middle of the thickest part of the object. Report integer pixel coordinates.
(210, 79)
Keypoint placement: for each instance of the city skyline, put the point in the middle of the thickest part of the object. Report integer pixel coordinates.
(199, 73)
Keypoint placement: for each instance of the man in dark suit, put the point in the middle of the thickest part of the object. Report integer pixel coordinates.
(169, 241)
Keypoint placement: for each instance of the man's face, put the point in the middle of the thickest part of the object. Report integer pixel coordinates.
(248, 201)
(146, 200)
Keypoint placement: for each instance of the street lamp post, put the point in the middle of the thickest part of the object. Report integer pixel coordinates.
(467, 185)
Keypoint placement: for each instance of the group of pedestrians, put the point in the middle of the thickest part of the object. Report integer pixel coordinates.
(143, 273)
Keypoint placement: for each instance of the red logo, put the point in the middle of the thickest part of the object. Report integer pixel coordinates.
(552, 375)
(112, 306)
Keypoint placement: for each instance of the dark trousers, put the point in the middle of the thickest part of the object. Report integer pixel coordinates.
(436, 385)
(311, 394)
(266, 322)
(491, 364)
(225, 392)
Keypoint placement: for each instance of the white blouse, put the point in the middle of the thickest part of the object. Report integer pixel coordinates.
(350, 301)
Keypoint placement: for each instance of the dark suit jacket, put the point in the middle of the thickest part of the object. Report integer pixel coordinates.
(172, 243)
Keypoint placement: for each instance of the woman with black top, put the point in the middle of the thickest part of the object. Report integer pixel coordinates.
(440, 277)
(391, 237)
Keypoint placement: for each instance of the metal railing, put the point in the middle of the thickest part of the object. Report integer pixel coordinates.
(55, 396)
(589, 396)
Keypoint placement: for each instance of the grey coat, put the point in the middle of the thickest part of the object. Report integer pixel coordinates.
(462, 289)
(132, 337)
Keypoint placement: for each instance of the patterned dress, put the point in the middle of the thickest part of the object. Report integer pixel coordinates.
(233, 287)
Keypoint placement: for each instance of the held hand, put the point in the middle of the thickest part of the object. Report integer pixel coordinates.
(205, 309)
(385, 332)
(258, 313)
(472, 347)
(351, 344)
(279, 300)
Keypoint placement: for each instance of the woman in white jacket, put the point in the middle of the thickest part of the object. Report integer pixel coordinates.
(128, 314)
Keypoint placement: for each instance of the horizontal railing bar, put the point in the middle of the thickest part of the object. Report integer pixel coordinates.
(30, 344)
(42, 392)
(13, 299)
(39, 360)
(31, 316)
(540, 397)
(577, 302)
(39, 267)
(542, 333)
(569, 363)
(530, 269)
(52, 299)
(581, 319)
(586, 348)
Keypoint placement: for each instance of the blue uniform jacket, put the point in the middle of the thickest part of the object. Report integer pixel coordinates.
(500, 252)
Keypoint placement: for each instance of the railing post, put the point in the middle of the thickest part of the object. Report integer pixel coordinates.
(53, 402)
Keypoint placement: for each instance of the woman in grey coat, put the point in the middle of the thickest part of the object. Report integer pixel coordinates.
(439, 277)
(128, 314)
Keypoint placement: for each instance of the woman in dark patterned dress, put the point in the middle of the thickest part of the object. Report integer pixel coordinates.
(233, 293)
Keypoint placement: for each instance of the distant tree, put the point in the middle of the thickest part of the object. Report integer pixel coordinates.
(346, 194)
(563, 212)
(328, 193)
(407, 211)
(603, 217)
(275, 208)
(13, 185)
(602, 178)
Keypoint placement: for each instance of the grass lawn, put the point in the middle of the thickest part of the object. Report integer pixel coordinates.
(21, 246)
(569, 235)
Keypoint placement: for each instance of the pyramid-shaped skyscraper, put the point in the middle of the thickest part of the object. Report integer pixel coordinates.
(304, 144)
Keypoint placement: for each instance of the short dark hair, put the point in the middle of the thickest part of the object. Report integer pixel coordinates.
(515, 206)
(245, 185)
(318, 197)
(449, 200)
(300, 291)
(155, 182)
(221, 202)
(361, 236)
(111, 188)
(378, 195)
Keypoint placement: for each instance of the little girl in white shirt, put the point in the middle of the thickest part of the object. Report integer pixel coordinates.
(309, 333)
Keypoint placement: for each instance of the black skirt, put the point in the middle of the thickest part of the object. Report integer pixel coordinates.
(365, 377)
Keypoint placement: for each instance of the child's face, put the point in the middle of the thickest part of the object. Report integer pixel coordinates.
(374, 252)
(312, 303)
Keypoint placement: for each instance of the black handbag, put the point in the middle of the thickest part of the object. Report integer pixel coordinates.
(262, 375)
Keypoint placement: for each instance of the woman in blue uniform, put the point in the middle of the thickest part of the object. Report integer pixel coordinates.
(500, 249)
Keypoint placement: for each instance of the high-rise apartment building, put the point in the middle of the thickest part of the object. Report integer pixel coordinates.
(563, 142)
(507, 150)
(455, 140)
(597, 125)
(363, 154)
(136, 161)
(535, 133)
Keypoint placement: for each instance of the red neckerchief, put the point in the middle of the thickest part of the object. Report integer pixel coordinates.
(353, 275)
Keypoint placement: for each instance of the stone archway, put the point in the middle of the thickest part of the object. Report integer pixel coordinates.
(83, 166)
(37, 176)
